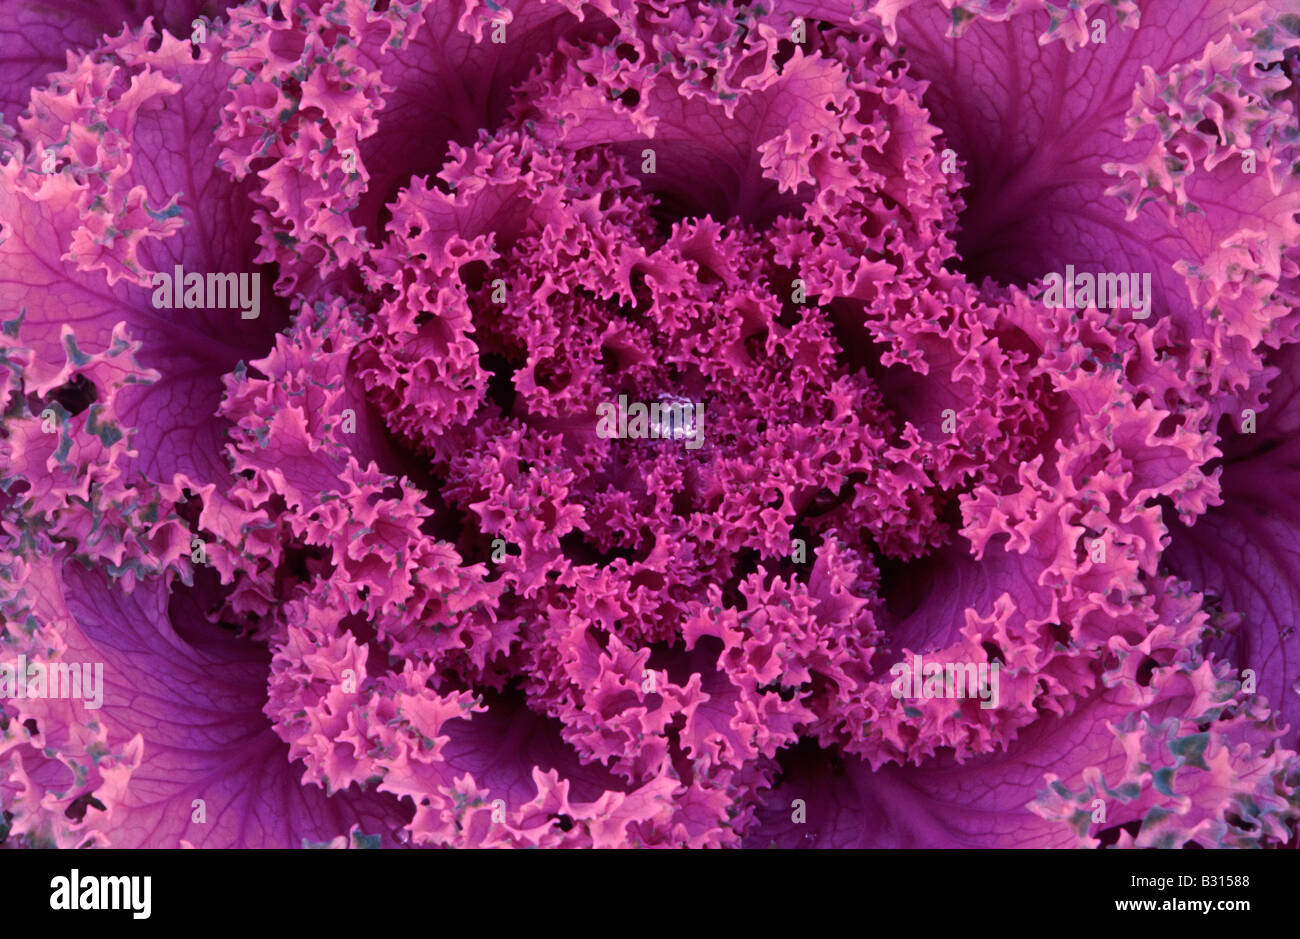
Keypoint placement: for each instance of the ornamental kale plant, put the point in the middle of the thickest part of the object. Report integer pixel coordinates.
(612, 423)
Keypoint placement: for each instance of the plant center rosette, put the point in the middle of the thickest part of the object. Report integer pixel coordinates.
(367, 569)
